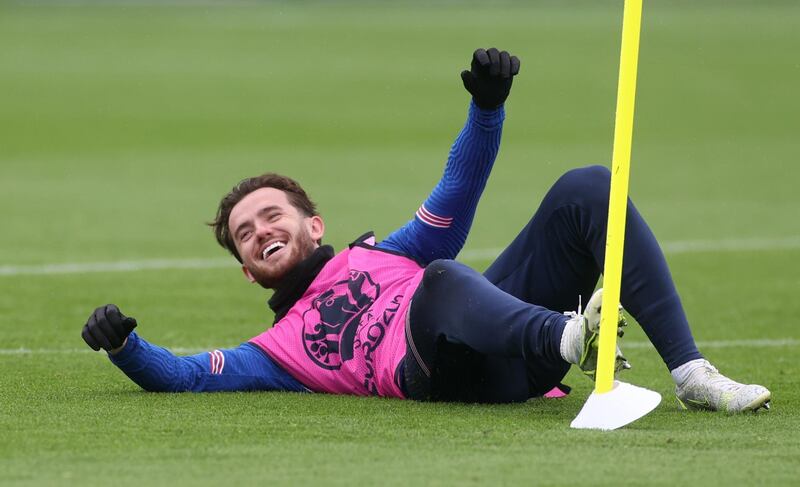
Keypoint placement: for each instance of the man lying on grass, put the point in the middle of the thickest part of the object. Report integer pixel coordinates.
(400, 318)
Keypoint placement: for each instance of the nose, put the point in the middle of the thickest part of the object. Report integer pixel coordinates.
(263, 230)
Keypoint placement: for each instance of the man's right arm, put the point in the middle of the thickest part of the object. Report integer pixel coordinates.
(245, 368)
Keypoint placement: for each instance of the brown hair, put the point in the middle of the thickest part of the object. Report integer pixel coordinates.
(294, 193)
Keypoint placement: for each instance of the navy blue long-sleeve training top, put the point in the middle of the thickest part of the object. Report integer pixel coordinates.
(437, 231)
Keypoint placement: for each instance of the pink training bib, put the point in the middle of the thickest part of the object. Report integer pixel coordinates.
(346, 334)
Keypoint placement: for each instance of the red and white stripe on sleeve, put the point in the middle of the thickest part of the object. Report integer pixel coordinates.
(433, 220)
(217, 362)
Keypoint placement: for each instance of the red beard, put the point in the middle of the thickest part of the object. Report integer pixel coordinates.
(270, 277)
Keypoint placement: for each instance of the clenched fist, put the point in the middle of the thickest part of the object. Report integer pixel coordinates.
(489, 79)
(107, 328)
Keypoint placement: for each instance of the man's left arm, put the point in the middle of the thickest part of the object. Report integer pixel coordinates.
(441, 224)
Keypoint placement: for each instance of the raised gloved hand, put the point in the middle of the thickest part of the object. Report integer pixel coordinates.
(107, 328)
(489, 80)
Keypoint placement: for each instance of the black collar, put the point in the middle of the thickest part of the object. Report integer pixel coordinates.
(297, 280)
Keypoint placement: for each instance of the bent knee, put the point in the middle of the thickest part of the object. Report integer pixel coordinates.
(588, 184)
(583, 179)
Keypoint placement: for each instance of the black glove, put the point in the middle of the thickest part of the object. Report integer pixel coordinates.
(107, 328)
(489, 81)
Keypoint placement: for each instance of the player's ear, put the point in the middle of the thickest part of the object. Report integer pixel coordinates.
(248, 275)
(316, 227)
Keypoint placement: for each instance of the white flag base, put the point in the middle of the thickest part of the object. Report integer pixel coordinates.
(623, 404)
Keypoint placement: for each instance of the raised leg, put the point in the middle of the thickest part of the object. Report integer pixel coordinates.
(560, 253)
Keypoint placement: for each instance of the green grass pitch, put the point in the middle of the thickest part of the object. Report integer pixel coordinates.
(121, 125)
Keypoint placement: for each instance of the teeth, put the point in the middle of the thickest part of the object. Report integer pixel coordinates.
(274, 246)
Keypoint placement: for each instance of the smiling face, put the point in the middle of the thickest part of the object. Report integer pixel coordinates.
(271, 235)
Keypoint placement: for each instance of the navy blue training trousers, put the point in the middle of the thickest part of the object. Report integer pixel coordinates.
(495, 337)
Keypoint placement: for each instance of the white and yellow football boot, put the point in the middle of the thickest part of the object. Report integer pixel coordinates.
(580, 341)
(699, 385)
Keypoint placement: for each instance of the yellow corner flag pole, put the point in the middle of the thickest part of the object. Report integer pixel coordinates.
(614, 404)
(620, 170)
